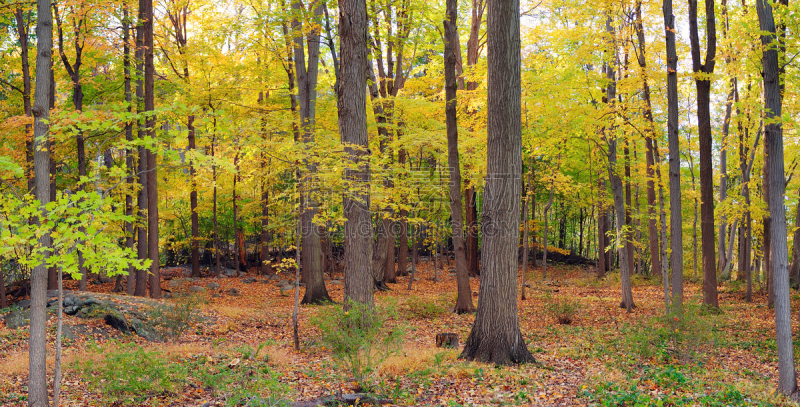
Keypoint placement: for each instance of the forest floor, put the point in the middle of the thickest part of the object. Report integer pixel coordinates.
(242, 352)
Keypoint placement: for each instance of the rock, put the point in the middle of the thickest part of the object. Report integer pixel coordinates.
(196, 289)
(144, 330)
(451, 270)
(232, 291)
(71, 310)
(118, 322)
(274, 277)
(416, 278)
(230, 273)
(213, 286)
(436, 279)
(265, 281)
(335, 282)
(52, 293)
(286, 290)
(17, 319)
(249, 280)
(167, 295)
(23, 303)
(282, 283)
(215, 295)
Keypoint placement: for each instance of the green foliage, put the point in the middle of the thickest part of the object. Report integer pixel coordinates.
(170, 321)
(665, 386)
(131, 374)
(359, 338)
(564, 310)
(424, 308)
(674, 338)
(242, 380)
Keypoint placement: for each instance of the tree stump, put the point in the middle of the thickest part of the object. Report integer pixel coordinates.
(447, 340)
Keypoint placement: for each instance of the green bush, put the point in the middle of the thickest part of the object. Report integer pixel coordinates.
(424, 308)
(359, 339)
(242, 380)
(170, 321)
(563, 311)
(131, 375)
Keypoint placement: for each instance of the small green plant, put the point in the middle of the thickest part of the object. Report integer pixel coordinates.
(242, 380)
(359, 338)
(563, 311)
(170, 321)
(424, 308)
(131, 375)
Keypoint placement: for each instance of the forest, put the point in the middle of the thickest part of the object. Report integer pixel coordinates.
(395, 202)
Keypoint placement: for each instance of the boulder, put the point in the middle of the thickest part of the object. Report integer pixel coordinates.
(335, 282)
(282, 283)
(18, 319)
(196, 289)
(213, 286)
(249, 280)
(23, 303)
(232, 291)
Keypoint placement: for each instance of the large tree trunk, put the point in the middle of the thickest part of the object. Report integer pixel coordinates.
(37, 343)
(152, 177)
(473, 53)
(705, 140)
(312, 264)
(472, 231)
(351, 97)
(129, 157)
(773, 142)
(676, 228)
(141, 199)
(464, 298)
(496, 337)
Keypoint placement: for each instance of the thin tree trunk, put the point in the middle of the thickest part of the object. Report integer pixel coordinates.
(464, 297)
(676, 228)
(37, 342)
(525, 227)
(129, 157)
(141, 200)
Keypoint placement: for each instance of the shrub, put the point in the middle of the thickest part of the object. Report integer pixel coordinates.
(563, 310)
(170, 321)
(131, 375)
(242, 380)
(359, 339)
(424, 308)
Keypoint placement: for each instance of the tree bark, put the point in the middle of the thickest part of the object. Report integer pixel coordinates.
(351, 96)
(496, 336)
(703, 83)
(129, 156)
(773, 142)
(141, 200)
(37, 343)
(146, 12)
(676, 229)
(464, 298)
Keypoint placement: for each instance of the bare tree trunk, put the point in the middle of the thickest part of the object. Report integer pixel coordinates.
(495, 335)
(152, 178)
(794, 269)
(525, 226)
(616, 182)
(676, 229)
(217, 248)
(773, 142)
(141, 199)
(351, 96)
(601, 232)
(464, 298)
(546, 224)
(129, 157)
(705, 139)
(37, 343)
(472, 232)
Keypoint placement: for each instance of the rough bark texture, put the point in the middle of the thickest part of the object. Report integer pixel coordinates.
(601, 232)
(352, 105)
(37, 344)
(676, 229)
(773, 142)
(703, 71)
(464, 298)
(472, 232)
(141, 199)
(495, 336)
(130, 286)
(152, 178)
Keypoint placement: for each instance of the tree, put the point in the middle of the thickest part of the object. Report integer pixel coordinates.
(464, 298)
(146, 18)
(352, 105)
(495, 336)
(773, 143)
(676, 229)
(703, 71)
(37, 367)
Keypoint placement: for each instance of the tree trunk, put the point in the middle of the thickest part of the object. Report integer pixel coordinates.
(496, 337)
(37, 343)
(351, 97)
(152, 177)
(472, 232)
(676, 229)
(629, 206)
(773, 142)
(141, 199)
(217, 248)
(236, 246)
(601, 232)
(464, 298)
(703, 85)
(794, 269)
(129, 157)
